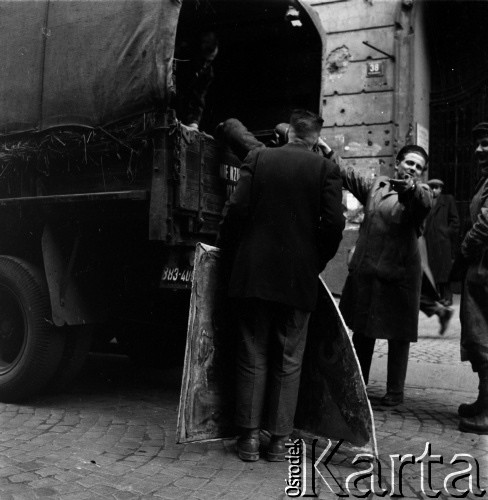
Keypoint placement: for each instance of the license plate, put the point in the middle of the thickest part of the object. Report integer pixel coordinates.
(176, 276)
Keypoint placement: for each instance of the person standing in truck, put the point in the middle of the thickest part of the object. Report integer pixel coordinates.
(474, 294)
(280, 227)
(381, 296)
(192, 76)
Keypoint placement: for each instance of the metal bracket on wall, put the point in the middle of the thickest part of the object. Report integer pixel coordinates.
(379, 50)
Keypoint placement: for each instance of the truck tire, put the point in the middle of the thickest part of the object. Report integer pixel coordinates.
(30, 346)
(77, 343)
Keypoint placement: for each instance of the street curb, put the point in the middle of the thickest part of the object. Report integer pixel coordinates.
(431, 375)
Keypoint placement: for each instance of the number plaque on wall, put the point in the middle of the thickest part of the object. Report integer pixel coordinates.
(375, 68)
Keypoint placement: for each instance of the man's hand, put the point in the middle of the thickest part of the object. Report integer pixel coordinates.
(323, 146)
(402, 185)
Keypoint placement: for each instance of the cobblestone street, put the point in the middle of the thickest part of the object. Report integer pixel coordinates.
(112, 436)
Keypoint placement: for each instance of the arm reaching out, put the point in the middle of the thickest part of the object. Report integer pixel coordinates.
(332, 219)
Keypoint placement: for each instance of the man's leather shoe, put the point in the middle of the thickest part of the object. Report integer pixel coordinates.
(248, 445)
(276, 449)
(445, 316)
(391, 399)
(469, 409)
(477, 424)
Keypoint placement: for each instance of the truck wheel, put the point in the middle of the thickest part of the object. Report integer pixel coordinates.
(77, 344)
(30, 347)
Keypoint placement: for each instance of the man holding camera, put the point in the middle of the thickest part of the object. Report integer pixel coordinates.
(382, 292)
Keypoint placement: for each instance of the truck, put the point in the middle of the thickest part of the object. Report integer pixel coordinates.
(104, 192)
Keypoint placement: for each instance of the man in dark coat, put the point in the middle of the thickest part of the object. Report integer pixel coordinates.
(441, 232)
(474, 298)
(282, 224)
(381, 296)
(430, 301)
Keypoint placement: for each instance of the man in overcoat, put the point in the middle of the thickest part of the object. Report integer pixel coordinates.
(441, 232)
(282, 224)
(474, 298)
(430, 301)
(381, 296)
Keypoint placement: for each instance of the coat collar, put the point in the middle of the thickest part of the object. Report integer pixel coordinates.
(296, 145)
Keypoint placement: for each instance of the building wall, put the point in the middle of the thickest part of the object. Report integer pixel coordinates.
(369, 102)
(422, 77)
(358, 109)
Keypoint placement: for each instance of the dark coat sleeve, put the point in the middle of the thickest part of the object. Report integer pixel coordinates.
(236, 209)
(233, 133)
(452, 218)
(418, 202)
(477, 237)
(354, 182)
(332, 220)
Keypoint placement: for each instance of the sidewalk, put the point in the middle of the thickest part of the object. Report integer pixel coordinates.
(113, 436)
(428, 415)
(434, 360)
(437, 382)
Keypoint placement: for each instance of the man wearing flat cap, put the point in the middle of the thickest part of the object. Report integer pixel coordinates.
(474, 299)
(441, 232)
(381, 296)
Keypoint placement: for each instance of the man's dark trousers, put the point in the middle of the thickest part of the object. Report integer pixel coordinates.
(397, 360)
(272, 339)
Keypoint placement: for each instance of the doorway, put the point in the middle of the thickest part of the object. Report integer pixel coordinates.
(457, 39)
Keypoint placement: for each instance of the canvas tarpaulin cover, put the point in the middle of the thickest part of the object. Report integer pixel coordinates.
(83, 62)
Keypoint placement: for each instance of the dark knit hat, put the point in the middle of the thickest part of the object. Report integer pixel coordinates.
(435, 183)
(480, 130)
